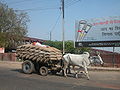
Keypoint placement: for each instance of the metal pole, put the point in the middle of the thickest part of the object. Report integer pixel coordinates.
(75, 32)
(50, 35)
(63, 38)
(113, 60)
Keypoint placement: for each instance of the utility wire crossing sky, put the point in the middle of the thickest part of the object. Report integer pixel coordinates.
(45, 15)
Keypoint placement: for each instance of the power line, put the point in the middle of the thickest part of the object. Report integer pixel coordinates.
(19, 1)
(56, 22)
(68, 2)
(72, 3)
(54, 26)
(22, 1)
(25, 2)
(38, 9)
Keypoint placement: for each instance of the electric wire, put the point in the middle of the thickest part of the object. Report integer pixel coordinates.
(23, 1)
(38, 9)
(55, 23)
(71, 3)
(68, 2)
(19, 2)
(53, 28)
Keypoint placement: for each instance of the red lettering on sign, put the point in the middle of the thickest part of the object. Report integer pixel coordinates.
(106, 22)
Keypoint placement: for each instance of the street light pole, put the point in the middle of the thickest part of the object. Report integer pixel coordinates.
(50, 35)
(63, 36)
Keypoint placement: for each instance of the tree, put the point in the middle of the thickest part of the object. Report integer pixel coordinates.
(13, 26)
(56, 44)
(2, 39)
(69, 46)
(82, 49)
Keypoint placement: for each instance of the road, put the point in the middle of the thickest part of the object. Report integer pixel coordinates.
(12, 78)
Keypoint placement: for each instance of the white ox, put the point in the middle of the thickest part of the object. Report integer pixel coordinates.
(82, 61)
(96, 59)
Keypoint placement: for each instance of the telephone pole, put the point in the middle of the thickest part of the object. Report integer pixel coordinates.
(63, 34)
(50, 35)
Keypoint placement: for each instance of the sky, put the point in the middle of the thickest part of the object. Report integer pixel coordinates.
(45, 15)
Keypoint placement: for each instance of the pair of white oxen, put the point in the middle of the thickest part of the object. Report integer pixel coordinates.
(82, 61)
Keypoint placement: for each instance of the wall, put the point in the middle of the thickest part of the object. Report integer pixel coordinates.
(7, 56)
(110, 59)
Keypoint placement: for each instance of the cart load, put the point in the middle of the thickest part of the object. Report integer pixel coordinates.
(39, 58)
(38, 53)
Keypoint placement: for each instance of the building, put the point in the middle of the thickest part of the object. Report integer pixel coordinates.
(25, 40)
(30, 40)
(109, 58)
(10, 54)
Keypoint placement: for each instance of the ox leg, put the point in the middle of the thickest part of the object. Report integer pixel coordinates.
(76, 75)
(65, 68)
(78, 71)
(69, 71)
(86, 72)
(73, 68)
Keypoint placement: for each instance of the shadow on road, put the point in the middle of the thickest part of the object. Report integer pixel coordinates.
(21, 71)
(17, 70)
(72, 75)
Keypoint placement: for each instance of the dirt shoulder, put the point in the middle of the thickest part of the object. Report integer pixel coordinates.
(10, 64)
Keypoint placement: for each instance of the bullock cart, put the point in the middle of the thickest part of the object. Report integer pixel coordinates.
(41, 59)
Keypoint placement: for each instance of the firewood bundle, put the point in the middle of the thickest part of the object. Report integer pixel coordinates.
(38, 53)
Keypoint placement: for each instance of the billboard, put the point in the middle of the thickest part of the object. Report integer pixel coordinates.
(99, 30)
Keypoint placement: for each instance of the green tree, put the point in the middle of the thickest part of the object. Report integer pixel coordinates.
(13, 26)
(56, 44)
(69, 46)
(82, 49)
(2, 39)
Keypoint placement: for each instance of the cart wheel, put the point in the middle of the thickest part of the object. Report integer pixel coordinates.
(27, 67)
(43, 71)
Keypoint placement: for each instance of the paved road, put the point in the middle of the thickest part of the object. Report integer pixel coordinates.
(12, 78)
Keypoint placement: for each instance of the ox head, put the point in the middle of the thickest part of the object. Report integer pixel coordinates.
(100, 58)
(96, 60)
(87, 54)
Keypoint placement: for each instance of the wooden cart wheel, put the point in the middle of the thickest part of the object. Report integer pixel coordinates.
(27, 67)
(43, 71)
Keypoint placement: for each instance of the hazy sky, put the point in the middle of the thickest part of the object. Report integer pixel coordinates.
(45, 16)
(45, 13)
